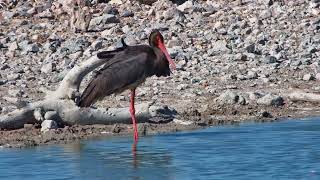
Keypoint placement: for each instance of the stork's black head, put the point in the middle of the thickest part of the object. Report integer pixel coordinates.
(156, 41)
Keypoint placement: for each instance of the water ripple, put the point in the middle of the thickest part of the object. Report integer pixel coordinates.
(280, 150)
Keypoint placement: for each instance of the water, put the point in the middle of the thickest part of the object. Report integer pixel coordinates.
(279, 150)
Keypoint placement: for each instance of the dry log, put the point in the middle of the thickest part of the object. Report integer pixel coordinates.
(70, 114)
(70, 84)
(304, 96)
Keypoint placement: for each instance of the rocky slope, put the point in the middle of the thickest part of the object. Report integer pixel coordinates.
(236, 59)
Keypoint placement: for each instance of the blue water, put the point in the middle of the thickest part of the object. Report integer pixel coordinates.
(278, 150)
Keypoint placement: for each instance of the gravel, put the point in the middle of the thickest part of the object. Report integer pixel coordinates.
(218, 46)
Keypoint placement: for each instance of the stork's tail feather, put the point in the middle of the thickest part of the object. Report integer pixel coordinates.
(89, 95)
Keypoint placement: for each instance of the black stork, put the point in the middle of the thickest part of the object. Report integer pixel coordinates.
(127, 69)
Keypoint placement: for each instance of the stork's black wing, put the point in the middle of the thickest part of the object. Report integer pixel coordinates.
(126, 70)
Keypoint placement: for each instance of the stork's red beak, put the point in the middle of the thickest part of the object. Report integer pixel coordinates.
(164, 50)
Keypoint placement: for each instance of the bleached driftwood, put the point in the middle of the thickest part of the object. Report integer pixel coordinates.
(69, 87)
(304, 96)
(70, 114)
(62, 103)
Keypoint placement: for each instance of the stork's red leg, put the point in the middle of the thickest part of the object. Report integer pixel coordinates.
(133, 116)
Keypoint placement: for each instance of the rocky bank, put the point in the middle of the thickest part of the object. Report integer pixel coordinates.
(236, 60)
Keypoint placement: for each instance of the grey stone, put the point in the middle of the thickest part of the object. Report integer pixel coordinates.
(242, 100)
(24, 45)
(37, 113)
(195, 80)
(187, 5)
(253, 96)
(173, 51)
(4, 67)
(52, 46)
(8, 109)
(99, 23)
(13, 77)
(13, 46)
(240, 57)
(46, 125)
(173, 13)
(12, 100)
(15, 92)
(151, 12)
(174, 42)
(181, 63)
(317, 76)
(265, 14)
(271, 100)
(241, 77)
(227, 98)
(127, 14)
(308, 77)
(182, 87)
(253, 49)
(265, 114)
(312, 50)
(7, 15)
(269, 60)
(126, 29)
(116, 129)
(252, 75)
(209, 10)
(306, 61)
(34, 48)
(3, 81)
(46, 14)
(130, 40)
(296, 63)
(111, 10)
(218, 47)
(120, 98)
(47, 68)
(75, 44)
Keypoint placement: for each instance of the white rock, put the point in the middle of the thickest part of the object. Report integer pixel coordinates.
(182, 86)
(228, 97)
(38, 115)
(13, 46)
(126, 29)
(308, 77)
(252, 75)
(46, 125)
(219, 46)
(177, 121)
(53, 115)
(185, 6)
(47, 68)
(318, 76)
(118, 2)
(102, 20)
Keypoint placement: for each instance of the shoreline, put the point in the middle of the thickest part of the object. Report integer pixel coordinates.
(31, 136)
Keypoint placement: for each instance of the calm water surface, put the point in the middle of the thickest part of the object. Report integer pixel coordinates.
(280, 150)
